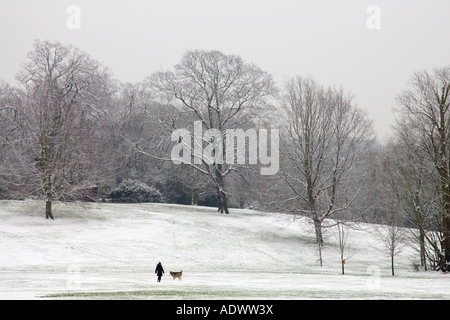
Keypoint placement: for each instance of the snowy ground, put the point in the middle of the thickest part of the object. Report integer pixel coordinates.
(109, 251)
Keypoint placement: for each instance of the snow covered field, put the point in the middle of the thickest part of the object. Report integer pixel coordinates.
(109, 251)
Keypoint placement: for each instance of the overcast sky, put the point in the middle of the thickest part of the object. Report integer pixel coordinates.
(369, 52)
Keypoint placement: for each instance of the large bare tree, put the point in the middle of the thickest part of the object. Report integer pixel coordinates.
(219, 91)
(324, 135)
(424, 127)
(62, 96)
(9, 116)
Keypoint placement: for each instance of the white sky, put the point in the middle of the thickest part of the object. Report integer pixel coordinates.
(327, 39)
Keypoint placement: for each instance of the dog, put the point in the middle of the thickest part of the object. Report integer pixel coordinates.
(176, 275)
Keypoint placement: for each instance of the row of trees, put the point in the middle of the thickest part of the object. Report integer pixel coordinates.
(68, 127)
(419, 163)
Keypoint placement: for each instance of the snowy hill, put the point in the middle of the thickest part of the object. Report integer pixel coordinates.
(109, 251)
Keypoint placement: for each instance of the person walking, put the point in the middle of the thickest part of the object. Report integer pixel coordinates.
(159, 271)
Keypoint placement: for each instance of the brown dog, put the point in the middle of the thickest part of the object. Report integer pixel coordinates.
(176, 275)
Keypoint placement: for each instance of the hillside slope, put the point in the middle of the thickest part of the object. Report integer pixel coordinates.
(110, 251)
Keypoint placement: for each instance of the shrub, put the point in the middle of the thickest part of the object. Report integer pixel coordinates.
(134, 191)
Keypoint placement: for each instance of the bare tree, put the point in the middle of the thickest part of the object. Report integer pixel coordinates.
(408, 180)
(222, 92)
(341, 236)
(342, 233)
(425, 121)
(9, 117)
(324, 135)
(392, 236)
(62, 97)
(133, 128)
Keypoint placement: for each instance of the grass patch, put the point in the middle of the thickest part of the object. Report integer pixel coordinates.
(235, 294)
(157, 294)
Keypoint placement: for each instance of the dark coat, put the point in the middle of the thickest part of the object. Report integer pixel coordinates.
(159, 270)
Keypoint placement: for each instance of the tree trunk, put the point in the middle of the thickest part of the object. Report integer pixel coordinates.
(392, 263)
(423, 258)
(48, 198)
(444, 263)
(318, 230)
(319, 239)
(222, 201)
(443, 170)
(194, 197)
(445, 260)
(48, 209)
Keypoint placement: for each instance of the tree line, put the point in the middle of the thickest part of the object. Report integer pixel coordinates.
(68, 128)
